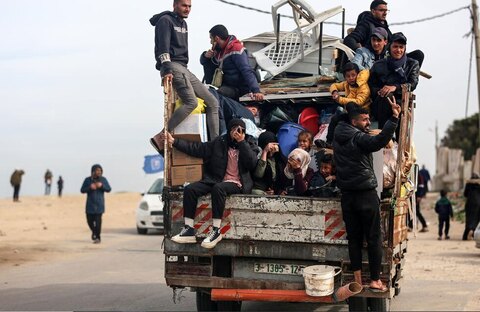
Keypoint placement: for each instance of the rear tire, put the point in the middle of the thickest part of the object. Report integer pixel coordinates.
(204, 302)
(142, 231)
(357, 304)
(229, 305)
(379, 304)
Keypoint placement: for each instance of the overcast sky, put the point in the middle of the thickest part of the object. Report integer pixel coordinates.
(78, 84)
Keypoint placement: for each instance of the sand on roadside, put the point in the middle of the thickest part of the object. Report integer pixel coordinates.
(43, 228)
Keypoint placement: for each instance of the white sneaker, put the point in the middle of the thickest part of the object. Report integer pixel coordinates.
(186, 236)
(212, 239)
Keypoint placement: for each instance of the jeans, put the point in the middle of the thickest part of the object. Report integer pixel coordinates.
(94, 221)
(188, 88)
(219, 192)
(361, 214)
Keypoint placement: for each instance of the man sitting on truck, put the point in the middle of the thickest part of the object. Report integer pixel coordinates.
(372, 52)
(229, 55)
(388, 74)
(353, 147)
(228, 162)
(367, 21)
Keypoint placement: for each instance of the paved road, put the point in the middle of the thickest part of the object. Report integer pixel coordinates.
(125, 273)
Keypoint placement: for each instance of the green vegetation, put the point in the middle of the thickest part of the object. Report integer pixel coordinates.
(463, 134)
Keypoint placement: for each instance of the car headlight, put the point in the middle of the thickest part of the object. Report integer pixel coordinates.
(143, 206)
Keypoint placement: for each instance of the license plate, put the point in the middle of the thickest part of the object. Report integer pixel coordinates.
(277, 268)
(157, 218)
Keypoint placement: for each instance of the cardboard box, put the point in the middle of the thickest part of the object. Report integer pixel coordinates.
(193, 124)
(182, 174)
(182, 159)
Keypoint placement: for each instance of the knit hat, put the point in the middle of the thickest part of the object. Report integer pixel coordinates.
(235, 122)
(265, 138)
(94, 167)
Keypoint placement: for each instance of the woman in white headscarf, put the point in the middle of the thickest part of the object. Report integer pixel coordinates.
(297, 169)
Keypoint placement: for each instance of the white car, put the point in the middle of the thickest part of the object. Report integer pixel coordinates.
(476, 236)
(149, 212)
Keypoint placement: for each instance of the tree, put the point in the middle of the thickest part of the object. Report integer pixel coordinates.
(463, 134)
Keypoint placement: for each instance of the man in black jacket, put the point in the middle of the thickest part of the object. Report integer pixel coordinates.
(171, 54)
(388, 74)
(228, 162)
(353, 148)
(367, 21)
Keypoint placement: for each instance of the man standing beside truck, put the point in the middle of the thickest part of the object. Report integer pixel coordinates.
(353, 148)
(171, 54)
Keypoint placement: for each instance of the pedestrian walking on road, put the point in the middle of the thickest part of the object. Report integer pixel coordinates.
(472, 206)
(95, 186)
(16, 181)
(444, 209)
(60, 186)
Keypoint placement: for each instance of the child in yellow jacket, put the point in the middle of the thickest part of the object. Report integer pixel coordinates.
(355, 87)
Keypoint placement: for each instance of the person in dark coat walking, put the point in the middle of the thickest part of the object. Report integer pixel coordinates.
(353, 147)
(60, 186)
(229, 159)
(16, 181)
(444, 209)
(95, 186)
(472, 206)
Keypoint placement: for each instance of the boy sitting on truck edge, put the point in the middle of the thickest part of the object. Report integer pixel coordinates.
(355, 86)
(444, 209)
(228, 162)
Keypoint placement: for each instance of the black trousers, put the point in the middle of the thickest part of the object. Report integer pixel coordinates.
(94, 221)
(361, 214)
(16, 192)
(441, 222)
(419, 215)
(219, 192)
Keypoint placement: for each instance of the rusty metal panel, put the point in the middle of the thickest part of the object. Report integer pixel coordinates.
(272, 218)
(187, 268)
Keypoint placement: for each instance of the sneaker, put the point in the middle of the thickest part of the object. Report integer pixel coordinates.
(447, 237)
(439, 238)
(424, 229)
(212, 239)
(186, 236)
(96, 241)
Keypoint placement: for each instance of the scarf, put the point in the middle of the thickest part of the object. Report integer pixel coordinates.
(304, 158)
(397, 66)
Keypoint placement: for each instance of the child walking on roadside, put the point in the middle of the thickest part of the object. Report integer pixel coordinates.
(443, 208)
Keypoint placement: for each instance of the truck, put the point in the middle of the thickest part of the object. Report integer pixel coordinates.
(269, 240)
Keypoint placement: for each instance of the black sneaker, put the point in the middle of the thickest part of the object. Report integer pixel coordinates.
(186, 236)
(212, 239)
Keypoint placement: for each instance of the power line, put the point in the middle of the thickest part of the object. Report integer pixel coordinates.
(353, 24)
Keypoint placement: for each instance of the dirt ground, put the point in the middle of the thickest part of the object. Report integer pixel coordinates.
(35, 230)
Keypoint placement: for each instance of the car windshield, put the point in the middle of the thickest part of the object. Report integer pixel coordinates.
(156, 188)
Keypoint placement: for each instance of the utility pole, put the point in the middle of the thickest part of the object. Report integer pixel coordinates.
(477, 53)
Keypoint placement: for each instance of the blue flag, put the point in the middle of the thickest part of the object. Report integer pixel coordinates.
(153, 164)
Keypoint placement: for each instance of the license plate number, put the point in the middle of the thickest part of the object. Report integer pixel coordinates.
(277, 268)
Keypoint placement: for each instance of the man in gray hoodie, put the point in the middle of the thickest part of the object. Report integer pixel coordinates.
(171, 54)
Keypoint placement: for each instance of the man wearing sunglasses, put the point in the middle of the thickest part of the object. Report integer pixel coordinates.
(367, 22)
(228, 161)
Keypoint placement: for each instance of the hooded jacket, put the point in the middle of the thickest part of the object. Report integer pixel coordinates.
(237, 72)
(171, 41)
(215, 157)
(381, 75)
(353, 150)
(359, 94)
(363, 31)
(16, 177)
(95, 198)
